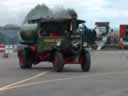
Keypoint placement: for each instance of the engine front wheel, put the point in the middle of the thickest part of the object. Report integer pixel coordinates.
(85, 61)
(25, 60)
(58, 62)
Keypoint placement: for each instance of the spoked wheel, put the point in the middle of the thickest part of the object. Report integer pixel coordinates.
(58, 62)
(85, 61)
(25, 60)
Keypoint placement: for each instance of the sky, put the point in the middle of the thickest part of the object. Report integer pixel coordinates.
(114, 11)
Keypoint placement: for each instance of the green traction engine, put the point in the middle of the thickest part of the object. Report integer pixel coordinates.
(56, 40)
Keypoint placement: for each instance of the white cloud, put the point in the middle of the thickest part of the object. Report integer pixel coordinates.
(14, 11)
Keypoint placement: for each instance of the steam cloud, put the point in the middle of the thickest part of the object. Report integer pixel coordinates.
(43, 11)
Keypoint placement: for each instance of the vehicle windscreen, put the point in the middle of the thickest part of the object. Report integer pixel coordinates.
(53, 28)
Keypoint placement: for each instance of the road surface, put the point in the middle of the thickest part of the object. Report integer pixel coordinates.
(108, 77)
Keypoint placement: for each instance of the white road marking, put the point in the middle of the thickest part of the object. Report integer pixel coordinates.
(61, 79)
(22, 81)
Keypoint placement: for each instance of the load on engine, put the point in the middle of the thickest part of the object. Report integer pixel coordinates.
(89, 36)
(123, 39)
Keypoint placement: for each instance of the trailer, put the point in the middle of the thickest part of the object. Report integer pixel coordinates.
(103, 31)
(123, 38)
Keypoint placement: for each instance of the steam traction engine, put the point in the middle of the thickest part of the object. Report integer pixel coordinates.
(55, 40)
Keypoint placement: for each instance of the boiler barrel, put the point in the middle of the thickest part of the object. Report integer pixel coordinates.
(29, 33)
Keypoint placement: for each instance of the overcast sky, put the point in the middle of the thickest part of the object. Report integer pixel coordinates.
(115, 11)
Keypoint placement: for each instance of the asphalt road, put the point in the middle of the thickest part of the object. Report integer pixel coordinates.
(108, 77)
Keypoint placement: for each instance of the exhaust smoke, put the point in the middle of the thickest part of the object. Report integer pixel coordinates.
(43, 11)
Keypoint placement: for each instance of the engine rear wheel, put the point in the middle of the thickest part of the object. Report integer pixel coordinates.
(85, 61)
(58, 62)
(25, 60)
